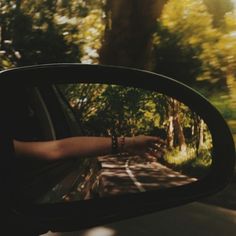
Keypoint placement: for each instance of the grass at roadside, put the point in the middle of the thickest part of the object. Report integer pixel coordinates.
(187, 162)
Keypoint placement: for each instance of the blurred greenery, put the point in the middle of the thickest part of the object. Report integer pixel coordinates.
(192, 41)
(102, 110)
(189, 48)
(190, 163)
(49, 31)
(195, 43)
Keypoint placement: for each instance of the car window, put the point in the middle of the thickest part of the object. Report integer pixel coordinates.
(73, 124)
(45, 115)
(59, 112)
(32, 122)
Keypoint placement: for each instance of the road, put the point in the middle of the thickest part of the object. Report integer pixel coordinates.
(131, 174)
(112, 175)
(193, 219)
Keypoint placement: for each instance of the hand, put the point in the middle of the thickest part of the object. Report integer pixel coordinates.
(139, 145)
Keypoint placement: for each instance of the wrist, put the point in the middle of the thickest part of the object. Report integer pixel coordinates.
(129, 141)
(121, 144)
(114, 144)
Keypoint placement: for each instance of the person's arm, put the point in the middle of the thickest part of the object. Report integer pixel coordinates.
(67, 147)
(82, 147)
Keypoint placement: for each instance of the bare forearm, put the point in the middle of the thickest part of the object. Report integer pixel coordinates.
(84, 147)
(64, 148)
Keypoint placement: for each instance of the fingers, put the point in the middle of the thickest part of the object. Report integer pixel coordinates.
(158, 140)
(149, 144)
(159, 145)
(157, 148)
(157, 154)
(155, 151)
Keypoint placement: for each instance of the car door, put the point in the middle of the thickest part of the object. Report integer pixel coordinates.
(47, 116)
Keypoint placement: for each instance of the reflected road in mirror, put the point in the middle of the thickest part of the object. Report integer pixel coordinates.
(133, 174)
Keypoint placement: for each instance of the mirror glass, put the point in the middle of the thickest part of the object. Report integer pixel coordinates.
(63, 142)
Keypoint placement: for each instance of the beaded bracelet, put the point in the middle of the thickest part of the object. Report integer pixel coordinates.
(122, 143)
(114, 144)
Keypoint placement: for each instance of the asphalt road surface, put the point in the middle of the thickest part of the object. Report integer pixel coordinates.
(131, 174)
(193, 219)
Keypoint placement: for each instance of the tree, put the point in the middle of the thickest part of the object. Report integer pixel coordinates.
(86, 101)
(218, 8)
(175, 133)
(47, 43)
(128, 33)
(32, 33)
(227, 45)
(185, 44)
(86, 20)
(9, 12)
(91, 29)
(172, 59)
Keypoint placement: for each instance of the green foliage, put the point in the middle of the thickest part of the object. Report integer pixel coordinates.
(176, 157)
(87, 102)
(189, 48)
(103, 109)
(188, 45)
(172, 59)
(34, 35)
(226, 105)
(179, 39)
(189, 162)
(204, 158)
(218, 8)
(48, 31)
(90, 37)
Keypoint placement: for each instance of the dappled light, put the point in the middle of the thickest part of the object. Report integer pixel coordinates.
(190, 41)
(150, 175)
(98, 108)
(195, 43)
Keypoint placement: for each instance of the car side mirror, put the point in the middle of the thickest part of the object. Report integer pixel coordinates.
(193, 157)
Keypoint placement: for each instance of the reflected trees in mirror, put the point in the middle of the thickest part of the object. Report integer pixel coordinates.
(101, 110)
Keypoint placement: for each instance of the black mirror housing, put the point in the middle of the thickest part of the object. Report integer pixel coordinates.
(82, 214)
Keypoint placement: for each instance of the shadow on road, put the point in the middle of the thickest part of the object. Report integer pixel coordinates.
(193, 219)
(226, 198)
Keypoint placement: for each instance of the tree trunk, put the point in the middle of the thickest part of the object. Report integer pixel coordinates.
(201, 134)
(129, 28)
(178, 129)
(175, 134)
(198, 133)
(170, 133)
(179, 134)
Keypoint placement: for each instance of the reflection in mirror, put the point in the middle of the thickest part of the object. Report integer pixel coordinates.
(161, 143)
